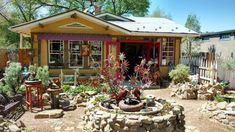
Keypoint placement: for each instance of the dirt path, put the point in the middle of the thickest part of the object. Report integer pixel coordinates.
(194, 119)
(71, 122)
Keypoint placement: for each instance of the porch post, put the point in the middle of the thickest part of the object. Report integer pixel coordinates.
(21, 41)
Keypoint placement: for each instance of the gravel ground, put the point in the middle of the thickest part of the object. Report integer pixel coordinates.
(71, 121)
(195, 121)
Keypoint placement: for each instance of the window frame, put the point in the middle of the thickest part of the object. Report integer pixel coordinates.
(69, 52)
(101, 53)
(49, 52)
(162, 50)
(225, 39)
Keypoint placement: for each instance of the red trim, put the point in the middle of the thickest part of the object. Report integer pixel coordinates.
(135, 41)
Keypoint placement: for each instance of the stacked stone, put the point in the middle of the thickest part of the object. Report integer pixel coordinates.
(191, 91)
(222, 112)
(97, 120)
(10, 126)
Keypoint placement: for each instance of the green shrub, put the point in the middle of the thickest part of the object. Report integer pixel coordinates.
(218, 98)
(100, 98)
(12, 76)
(180, 74)
(66, 88)
(233, 100)
(82, 88)
(43, 75)
(32, 71)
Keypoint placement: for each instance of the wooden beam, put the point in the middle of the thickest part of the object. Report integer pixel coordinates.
(21, 40)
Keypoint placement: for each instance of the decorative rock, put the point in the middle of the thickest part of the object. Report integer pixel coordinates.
(146, 120)
(56, 113)
(222, 105)
(231, 106)
(13, 128)
(158, 119)
(133, 123)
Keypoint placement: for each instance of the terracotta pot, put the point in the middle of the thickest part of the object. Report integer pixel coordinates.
(130, 108)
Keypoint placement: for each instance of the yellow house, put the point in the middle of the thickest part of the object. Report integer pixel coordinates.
(74, 39)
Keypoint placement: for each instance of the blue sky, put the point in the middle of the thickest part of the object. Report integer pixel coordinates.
(214, 15)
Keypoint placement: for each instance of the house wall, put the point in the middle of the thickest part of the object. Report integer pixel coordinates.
(42, 58)
(224, 48)
(93, 28)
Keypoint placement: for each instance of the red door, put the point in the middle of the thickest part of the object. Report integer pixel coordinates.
(152, 52)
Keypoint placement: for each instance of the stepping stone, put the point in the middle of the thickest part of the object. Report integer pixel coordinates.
(56, 113)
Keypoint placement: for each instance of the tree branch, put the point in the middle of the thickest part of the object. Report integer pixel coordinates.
(55, 5)
(22, 11)
(1, 14)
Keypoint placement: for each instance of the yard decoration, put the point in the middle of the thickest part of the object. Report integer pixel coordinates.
(126, 96)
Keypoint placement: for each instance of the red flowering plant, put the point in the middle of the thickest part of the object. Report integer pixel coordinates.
(113, 72)
(141, 75)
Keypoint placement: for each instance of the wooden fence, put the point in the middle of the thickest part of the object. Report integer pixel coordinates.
(194, 63)
(207, 71)
(19, 55)
(210, 71)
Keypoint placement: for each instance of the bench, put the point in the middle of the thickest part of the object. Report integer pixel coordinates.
(11, 107)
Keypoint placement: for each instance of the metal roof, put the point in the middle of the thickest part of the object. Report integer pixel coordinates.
(140, 26)
(153, 25)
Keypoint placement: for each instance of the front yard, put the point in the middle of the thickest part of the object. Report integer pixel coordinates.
(72, 120)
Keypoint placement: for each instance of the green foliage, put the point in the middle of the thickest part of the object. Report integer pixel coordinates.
(4, 88)
(229, 64)
(82, 88)
(32, 71)
(161, 13)
(43, 75)
(180, 74)
(12, 76)
(100, 98)
(22, 89)
(233, 100)
(218, 98)
(193, 23)
(66, 88)
(120, 7)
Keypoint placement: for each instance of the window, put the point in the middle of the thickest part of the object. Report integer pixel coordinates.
(225, 37)
(96, 53)
(168, 51)
(205, 38)
(75, 58)
(56, 53)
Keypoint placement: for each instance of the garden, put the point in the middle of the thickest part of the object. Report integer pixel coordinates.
(108, 101)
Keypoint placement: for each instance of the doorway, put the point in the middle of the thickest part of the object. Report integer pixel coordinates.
(134, 54)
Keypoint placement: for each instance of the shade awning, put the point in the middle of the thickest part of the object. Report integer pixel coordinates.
(74, 36)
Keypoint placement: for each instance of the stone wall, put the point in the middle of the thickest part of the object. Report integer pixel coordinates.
(222, 112)
(195, 91)
(97, 120)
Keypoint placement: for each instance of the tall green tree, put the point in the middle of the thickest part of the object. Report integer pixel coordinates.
(161, 13)
(120, 7)
(190, 50)
(193, 23)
